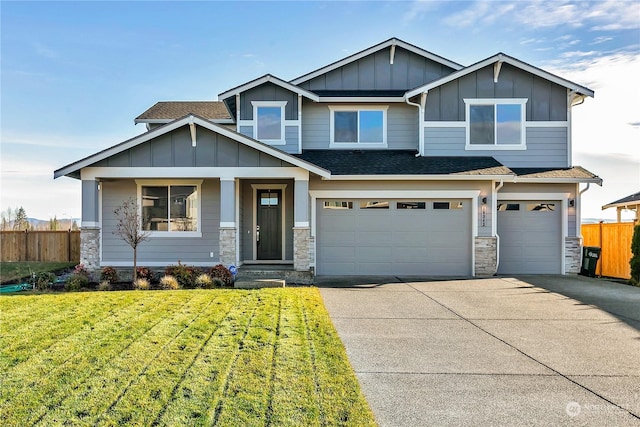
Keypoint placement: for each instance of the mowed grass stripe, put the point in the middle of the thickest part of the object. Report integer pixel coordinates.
(112, 376)
(294, 401)
(246, 396)
(20, 310)
(28, 393)
(51, 328)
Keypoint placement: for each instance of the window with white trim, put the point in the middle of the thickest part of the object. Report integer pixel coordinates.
(358, 125)
(170, 209)
(268, 119)
(495, 123)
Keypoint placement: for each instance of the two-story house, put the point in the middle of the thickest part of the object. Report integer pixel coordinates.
(391, 161)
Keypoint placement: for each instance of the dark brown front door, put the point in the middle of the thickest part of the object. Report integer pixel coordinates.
(269, 221)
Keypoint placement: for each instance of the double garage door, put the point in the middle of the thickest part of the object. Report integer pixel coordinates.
(530, 237)
(393, 237)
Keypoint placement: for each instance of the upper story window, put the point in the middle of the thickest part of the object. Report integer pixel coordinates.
(495, 124)
(358, 125)
(268, 119)
(170, 208)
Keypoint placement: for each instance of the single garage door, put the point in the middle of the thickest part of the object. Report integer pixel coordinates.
(530, 237)
(393, 237)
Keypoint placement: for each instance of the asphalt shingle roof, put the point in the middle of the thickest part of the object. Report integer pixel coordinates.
(573, 172)
(172, 110)
(400, 162)
(634, 198)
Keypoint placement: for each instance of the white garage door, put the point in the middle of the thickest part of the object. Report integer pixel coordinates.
(393, 237)
(530, 237)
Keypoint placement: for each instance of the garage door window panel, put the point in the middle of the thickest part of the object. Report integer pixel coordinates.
(376, 204)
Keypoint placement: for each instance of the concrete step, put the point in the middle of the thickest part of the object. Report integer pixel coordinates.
(259, 283)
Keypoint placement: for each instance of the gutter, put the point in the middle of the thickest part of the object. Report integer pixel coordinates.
(420, 107)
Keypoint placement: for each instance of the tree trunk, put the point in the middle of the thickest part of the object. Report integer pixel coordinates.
(135, 269)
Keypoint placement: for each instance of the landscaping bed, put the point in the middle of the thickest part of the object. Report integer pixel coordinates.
(188, 357)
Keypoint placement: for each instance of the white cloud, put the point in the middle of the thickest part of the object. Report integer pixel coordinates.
(417, 10)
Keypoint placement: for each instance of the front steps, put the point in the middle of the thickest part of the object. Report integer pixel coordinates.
(255, 276)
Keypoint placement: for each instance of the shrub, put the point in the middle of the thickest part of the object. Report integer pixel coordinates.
(184, 274)
(169, 282)
(109, 274)
(222, 273)
(145, 273)
(141, 284)
(43, 280)
(217, 282)
(635, 258)
(204, 281)
(105, 285)
(76, 282)
(81, 270)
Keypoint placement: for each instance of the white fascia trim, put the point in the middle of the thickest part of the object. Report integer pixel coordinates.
(500, 57)
(373, 49)
(362, 99)
(272, 79)
(173, 173)
(563, 198)
(227, 224)
(250, 142)
(419, 177)
(557, 180)
(164, 121)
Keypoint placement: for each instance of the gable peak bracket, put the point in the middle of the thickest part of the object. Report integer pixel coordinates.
(392, 54)
(496, 70)
(192, 129)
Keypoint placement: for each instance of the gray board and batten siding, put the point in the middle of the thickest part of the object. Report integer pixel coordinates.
(402, 126)
(268, 92)
(374, 72)
(545, 146)
(174, 149)
(546, 101)
(167, 250)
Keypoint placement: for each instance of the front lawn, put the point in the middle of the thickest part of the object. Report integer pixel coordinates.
(214, 357)
(10, 271)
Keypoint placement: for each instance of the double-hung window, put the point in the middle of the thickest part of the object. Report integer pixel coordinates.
(172, 208)
(359, 126)
(495, 124)
(268, 119)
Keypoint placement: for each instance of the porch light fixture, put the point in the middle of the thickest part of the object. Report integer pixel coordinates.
(484, 200)
(572, 203)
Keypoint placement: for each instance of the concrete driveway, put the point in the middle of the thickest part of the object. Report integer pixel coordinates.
(539, 350)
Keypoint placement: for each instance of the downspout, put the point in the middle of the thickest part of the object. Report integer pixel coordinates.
(420, 120)
(579, 211)
(494, 211)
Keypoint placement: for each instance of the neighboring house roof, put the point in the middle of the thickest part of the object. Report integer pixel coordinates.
(73, 169)
(499, 58)
(165, 111)
(401, 162)
(392, 42)
(632, 200)
(271, 79)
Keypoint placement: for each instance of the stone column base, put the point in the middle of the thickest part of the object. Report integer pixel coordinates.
(572, 255)
(301, 243)
(90, 248)
(227, 246)
(485, 256)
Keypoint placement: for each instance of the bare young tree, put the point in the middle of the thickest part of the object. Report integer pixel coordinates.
(129, 228)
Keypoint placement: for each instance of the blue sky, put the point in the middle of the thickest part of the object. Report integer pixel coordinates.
(74, 75)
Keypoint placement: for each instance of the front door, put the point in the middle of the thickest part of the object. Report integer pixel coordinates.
(269, 224)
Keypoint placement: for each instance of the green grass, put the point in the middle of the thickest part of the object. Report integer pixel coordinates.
(16, 270)
(200, 357)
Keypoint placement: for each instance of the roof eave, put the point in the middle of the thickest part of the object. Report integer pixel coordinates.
(538, 180)
(422, 177)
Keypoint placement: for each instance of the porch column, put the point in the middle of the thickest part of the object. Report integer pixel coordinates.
(228, 221)
(301, 229)
(90, 226)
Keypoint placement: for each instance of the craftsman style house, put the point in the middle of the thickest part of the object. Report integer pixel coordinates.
(391, 161)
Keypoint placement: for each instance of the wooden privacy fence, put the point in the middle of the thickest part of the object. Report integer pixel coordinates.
(615, 241)
(44, 246)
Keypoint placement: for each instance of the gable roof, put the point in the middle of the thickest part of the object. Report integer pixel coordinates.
(165, 111)
(631, 200)
(72, 169)
(271, 79)
(392, 42)
(501, 57)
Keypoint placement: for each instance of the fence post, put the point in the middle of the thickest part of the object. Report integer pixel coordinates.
(69, 245)
(600, 269)
(26, 245)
